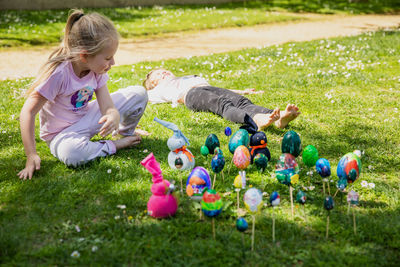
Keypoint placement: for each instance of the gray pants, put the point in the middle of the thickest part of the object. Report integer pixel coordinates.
(73, 146)
(223, 102)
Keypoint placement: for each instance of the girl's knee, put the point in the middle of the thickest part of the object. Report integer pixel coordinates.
(139, 93)
(71, 153)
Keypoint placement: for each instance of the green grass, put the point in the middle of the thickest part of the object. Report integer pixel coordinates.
(33, 28)
(348, 92)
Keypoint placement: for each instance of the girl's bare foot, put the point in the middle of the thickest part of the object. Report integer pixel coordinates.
(128, 141)
(265, 120)
(291, 112)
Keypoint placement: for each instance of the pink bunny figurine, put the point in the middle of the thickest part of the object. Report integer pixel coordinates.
(162, 203)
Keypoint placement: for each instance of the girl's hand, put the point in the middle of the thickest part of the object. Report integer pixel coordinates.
(111, 123)
(32, 165)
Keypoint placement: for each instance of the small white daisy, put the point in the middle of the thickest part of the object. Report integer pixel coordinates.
(75, 254)
(117, 217)
(94, 248)
(371, 185)
(109, 171)
(122, 207)
(364, 183)
(77, 228)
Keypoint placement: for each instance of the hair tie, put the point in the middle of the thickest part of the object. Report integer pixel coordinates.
(77, 18)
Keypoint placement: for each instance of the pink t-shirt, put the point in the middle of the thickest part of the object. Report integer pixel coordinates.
(68, 97)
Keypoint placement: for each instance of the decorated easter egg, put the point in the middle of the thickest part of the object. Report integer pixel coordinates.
(228, 131)
(301, 197)
(261, 161)
(197, 182)
(241, 157)
(287, 169)
(349, 167)
(253, 200)
(328, 203)
(212, 142)
(241, 224)
(181, 159)
(274, 199)
(323, 167)
(310, 156)
(341, 184)
(239, 138)
(204, 150)
(352, 197)
(291, 143)
(218, 161)
(211, 203)
(240, 182)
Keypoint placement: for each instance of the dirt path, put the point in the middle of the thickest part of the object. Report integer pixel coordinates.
(27, 62)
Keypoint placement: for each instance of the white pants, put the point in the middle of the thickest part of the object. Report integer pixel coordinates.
(73, 146)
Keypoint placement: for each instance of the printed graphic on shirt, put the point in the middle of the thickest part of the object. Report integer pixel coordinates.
(82, 97)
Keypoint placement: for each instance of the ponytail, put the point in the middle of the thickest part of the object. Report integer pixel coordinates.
(83, 33)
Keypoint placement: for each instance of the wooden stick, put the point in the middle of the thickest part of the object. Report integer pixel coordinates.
(201, 215)
(335, 193)
(215, 176)
(329, 188)
(291, 199)
(348, 209)
(213, 227)
(237, 199)
(354, 222)
(323, 186)
(181, 187)
(327, 227)
(305, 215)
(252, 232)
(223, 178)
(273, 224)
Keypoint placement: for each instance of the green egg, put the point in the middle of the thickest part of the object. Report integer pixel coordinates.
(310, 156)
(239, 138)
(212, 142)
(291, 143)
(204, 151)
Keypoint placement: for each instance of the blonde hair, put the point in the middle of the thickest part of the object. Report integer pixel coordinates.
(84, 33)
(147, 83)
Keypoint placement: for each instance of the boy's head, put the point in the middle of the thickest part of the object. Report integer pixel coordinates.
(155, 76)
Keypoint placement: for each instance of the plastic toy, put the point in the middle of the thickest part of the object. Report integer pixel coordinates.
(162, 203)
(179, 157)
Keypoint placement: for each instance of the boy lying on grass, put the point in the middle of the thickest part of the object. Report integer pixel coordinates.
(198, 95)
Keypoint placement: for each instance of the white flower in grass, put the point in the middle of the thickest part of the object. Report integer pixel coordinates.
(122, 207)
(311, 188)
(109, 171)
(75, 254)
(364, 183)
(310, 173)
(77, 228)
(371, 185)
(327, 95)
(325, 180)
(94, 248)
(117, 217)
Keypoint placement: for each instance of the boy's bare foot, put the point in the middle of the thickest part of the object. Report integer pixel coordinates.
(265, 120)
(291, 112)
(127, 141)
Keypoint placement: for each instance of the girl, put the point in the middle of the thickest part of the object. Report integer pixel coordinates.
(198, 95)
(63, 89)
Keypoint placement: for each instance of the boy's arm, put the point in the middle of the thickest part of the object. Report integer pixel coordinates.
(111, 117)
(27, 123)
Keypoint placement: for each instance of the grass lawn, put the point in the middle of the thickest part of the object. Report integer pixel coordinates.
(348, 92)
(33, 28)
